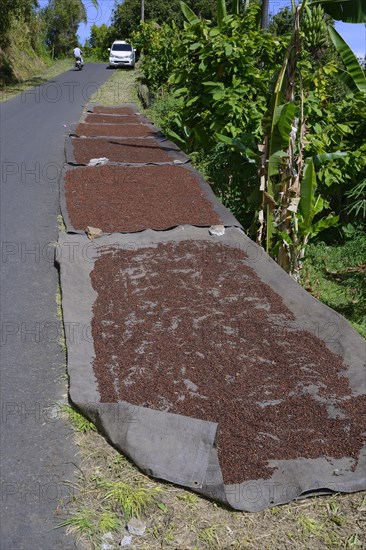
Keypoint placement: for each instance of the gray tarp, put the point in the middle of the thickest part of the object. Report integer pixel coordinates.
(178, 448)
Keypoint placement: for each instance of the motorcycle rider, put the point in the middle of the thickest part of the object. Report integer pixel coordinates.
(77, 54)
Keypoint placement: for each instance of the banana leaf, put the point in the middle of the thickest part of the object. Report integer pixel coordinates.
(275, 162)
(285, 121)
(325, 223)
(177, 139)
(349, 11)
(354, 76)
(327, 157)
(239, 146)
(308, 186)
(189, 14)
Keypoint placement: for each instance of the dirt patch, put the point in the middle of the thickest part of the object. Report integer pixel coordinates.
(129, 130)
(114, 119)
(113, 110)
(131, 150)
(129, 199)
(188, 328)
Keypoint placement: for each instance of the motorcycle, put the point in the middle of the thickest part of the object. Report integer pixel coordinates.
(79, 64)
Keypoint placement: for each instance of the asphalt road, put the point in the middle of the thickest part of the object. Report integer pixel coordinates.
(37, 452)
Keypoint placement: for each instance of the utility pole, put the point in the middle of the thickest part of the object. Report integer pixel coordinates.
(142, 10)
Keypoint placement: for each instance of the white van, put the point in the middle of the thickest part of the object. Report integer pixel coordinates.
(121, 54)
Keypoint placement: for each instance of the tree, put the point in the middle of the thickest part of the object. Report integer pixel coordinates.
(62, 18)
(281, 23)
(16, 9)
(100, 39)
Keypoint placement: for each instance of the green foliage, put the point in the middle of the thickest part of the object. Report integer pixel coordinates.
(339, 126)
(233, 85)
(281, 23)
(81, 523)
(159, 46)
(21, 30)
(292, 212)
(108, 521)
(25, 54)
(191, 17)
(88, 523)
(62, 18)
(14, 9)
(126, 18)
(233, 179)
(101, 38)
(223, 77)
(164, 112)
(127, 15)
(221, 12)
(336, 275)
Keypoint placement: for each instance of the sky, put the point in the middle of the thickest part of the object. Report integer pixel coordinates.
(354, 35)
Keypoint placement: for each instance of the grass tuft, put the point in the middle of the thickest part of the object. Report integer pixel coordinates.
(209, 536)
(132, 500)
(108, 521)
(79, 423)
(61, 223)
(82, 523)
(310, 525)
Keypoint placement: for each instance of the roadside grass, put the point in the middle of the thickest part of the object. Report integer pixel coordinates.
(10, 90)
(120, 88)
(79, 423)
(109, 489)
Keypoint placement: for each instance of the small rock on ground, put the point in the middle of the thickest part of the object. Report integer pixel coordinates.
(136, 527)
(126, 541)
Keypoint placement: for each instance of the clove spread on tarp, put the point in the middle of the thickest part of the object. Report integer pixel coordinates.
(187, 328)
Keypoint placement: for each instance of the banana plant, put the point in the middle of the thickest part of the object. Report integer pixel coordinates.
(282, 159)
(288, 180)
